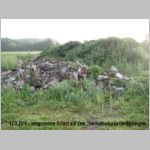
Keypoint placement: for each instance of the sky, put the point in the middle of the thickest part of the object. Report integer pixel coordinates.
(64, 30)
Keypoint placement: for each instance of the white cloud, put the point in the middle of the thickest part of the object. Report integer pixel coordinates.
(64, 30)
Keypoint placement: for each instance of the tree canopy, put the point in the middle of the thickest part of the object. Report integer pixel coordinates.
(29, 44)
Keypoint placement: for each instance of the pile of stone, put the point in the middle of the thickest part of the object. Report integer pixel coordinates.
(40, 72)
(105, 80)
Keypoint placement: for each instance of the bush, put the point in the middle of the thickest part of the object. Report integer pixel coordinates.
(129, 56)
(62, 50)
(94, 71)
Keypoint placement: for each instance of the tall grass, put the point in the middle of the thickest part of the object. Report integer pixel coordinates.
(9, 59)
(82, 99)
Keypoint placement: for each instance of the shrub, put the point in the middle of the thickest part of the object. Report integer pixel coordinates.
(94, 71)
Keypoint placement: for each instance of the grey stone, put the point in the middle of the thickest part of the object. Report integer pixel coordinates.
(102, 77)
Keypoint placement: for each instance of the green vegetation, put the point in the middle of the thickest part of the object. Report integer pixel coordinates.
(9, 59)
(28, 44)
(128, 55)
(82, 100)
(75, 101)
(94, 71)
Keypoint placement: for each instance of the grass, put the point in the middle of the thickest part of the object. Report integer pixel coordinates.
(9, 59)
(71, 101)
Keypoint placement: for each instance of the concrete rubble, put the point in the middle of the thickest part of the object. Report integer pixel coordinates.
(105, 81)
(42, 72)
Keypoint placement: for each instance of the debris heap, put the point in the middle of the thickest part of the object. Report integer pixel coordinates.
(42, 72)
(106, 81)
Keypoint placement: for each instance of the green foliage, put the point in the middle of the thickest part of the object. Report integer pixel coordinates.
(121, 83)
(29, 44)
(129, 56)
(62, 50)
(138, 87)
(94, 71)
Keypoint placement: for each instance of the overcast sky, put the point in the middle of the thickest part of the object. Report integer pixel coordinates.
(64, 30)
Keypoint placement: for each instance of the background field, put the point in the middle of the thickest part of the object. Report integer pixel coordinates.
(9, 59)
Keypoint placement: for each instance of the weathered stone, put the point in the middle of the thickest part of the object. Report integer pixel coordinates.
(102, 77)
(119, 76)
(117, 91)
(20, 84)
(113, 71)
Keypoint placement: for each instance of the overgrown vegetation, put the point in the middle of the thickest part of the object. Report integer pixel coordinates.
(82, 100)
(129, 56)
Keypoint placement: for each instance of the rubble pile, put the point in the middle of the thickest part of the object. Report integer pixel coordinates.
(105, 81)
(42, 72)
